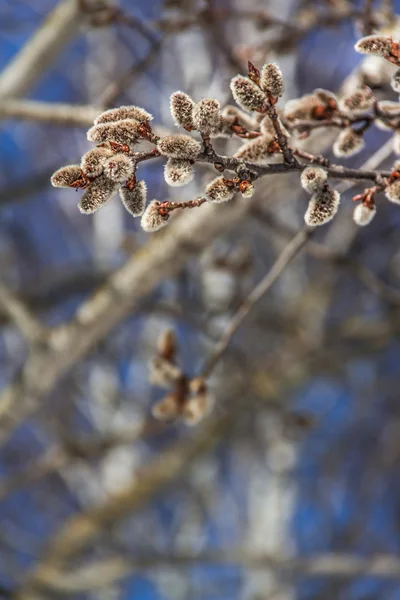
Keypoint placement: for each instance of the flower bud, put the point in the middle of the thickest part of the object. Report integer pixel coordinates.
(134, 199)
(92, 163)
(163, 373)
(247, 94)
(195, 409)
(152, 220)
(167, 345)
(322, 207)
(181, 106)
(348, 143)
(178, 172)
(167, 409)
(118, 167)
(363, 214)
(271, 80)
(66, 175)
(122, 132)
(179, 146)
(97, 194)
(313, 179)
(124, 112)
(219, 190)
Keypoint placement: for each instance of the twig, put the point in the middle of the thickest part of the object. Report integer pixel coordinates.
(288, 254)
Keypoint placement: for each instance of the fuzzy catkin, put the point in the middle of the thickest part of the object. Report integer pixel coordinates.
(122, 132)
(313, 179)
(374, 44)
(247, 94)
(392, 192)
(181, 106)
(65, 176)
(271, 80)
(167, 409)
(322, 207)
(395, 81)
(124, 112)
(151, 218)
(348, 143)
(195, 409)
(358, 102)
(258, 150)
(118, 167)
(92, 163)
(218, 190)
(206, 116)
(134, 200)
(178, 172)
(163, 373)
(97, 194)
(363, 214)
(179, 146)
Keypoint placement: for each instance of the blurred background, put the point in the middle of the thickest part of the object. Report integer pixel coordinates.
(290, 487)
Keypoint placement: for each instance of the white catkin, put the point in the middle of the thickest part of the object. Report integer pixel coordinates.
(124, 112)
(247, 94)
(122, 132)
(363, 214)
(313, 179)
(271, 80)
(392, 192)
(179, 146)
(66, 175)
(151, 219)
(348, 143)
(206, 116)
(92, 163)
(118, 167)
(219, 191)
(97, 195)
(178, 172)
(134, 200)
(374, 44)
(181, 106)
(322, 207)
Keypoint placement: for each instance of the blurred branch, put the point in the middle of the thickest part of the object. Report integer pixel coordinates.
(41, 50)
(48, 112)
(163, 255)
(322, 252)
(80, 530)
(29, 326)
(288, 254)
(104, 572)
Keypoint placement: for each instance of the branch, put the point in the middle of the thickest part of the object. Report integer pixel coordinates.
(288, 254)
(104, 572)
(49, 112)
(41, 50)
(163, 255)
(29, 326)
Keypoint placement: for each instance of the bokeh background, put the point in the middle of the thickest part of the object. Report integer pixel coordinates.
(296, 493)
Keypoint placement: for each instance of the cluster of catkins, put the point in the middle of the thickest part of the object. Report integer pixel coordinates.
(111, 166)
(187, 399)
